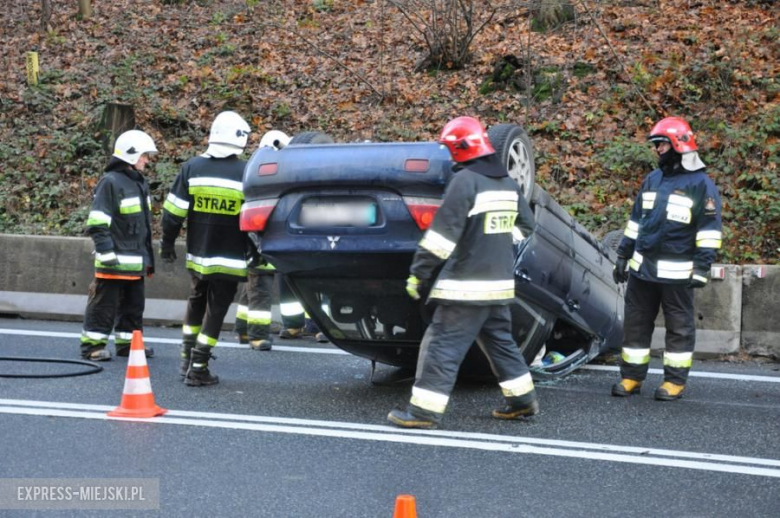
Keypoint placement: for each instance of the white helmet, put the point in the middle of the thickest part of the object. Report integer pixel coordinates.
(130, 145)
(229, 134)
(275, 139)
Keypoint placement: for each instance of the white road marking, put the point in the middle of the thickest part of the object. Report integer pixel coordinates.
(475, 441)
(695, 374)
(322, 350)
(153, 340)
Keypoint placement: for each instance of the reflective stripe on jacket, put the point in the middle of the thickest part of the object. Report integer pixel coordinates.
(208, 194)
(472, 232)
(674, 229)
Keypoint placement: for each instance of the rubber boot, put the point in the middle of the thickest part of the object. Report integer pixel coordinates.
(97, 355)
(626, 387)
(186, 357)
(198, 374)
(414, 417)
(510, 412)
(669, 391)
(261, 345)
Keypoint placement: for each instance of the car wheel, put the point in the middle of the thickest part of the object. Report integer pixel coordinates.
(612, 240)
(311, 137)
(512, 144)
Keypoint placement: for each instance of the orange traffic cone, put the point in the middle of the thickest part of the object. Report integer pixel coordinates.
(137, 397)
(405, 507)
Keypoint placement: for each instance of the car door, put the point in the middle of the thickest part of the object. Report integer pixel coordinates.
(544, 263)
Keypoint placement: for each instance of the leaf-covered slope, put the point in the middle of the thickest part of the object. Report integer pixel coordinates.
(349, 68)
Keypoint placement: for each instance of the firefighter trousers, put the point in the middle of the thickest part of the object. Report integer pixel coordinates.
(447, 340)
(112, 304)
(207, 306)
(643, 299)
(254, 306)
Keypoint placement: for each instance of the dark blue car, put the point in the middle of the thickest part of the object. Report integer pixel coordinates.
(342, 222)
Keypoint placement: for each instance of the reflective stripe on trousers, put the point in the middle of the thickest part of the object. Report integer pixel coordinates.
(642, 302)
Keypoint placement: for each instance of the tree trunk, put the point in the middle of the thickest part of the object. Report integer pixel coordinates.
(85, 9)
(45, 14)
(117, 118)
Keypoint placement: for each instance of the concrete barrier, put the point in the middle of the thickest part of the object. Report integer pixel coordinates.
(48, 277)
(761, 310)
(718, 313)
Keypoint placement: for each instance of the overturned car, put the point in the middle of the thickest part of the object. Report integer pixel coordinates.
(341, 222)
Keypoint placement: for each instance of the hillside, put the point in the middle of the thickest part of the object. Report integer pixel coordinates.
(350, 68)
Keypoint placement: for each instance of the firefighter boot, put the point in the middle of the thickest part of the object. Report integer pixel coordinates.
(517, 412)
(124, 351)
(186, 357)
(626, 387)
(414, 417)
(242, 338)
(198, 373)
(669, 391)
(261, 345)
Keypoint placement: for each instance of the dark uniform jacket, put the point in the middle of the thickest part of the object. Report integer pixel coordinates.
(472, 232)
(674, 229)
(120, 221)
(208, 194)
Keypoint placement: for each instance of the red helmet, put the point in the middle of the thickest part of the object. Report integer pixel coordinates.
(675, 131)
(466, 139)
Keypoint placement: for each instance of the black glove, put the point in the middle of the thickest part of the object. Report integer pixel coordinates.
(167, 252)
(620, 271)
(699, 278)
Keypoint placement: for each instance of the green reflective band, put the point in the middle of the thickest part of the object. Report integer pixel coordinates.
(190, 330)
(211, 270)
(92, 341)
(260, 318)
(242, 312)
(207, 340)
(173, 209)
(121, 342)
(91, 222)
(678, 360)
(635, 359)
(266, 267)
(130, 209)
(134, 267)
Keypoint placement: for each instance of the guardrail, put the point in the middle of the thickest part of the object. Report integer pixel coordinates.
(47, 277)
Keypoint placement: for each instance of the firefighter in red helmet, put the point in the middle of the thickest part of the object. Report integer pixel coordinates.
(667, 249)
(472, 234)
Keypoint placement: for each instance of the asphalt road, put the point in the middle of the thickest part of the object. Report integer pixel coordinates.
(300, 432)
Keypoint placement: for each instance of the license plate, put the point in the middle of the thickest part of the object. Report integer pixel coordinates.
(338, 214)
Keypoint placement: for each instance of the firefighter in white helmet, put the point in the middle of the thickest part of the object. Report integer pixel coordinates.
(120, 225)
(208, 194)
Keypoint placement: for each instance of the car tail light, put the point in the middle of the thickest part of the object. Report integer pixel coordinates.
(422, 210)
(255, 214)
(267, 169)
(416, 165)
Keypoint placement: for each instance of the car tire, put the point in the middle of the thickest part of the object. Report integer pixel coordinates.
(311, 137)
(513, 145)
(611, 241)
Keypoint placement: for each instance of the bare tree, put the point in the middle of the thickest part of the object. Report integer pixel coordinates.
(45, 14)
(85, 9)
(447, 27)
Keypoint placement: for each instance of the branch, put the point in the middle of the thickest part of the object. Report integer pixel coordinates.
(617, 57)
(322, 52)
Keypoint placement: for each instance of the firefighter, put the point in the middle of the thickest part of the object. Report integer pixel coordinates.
(253, 318)
(667, 249)
(120, 224)
(208, 194)
(472, 234)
